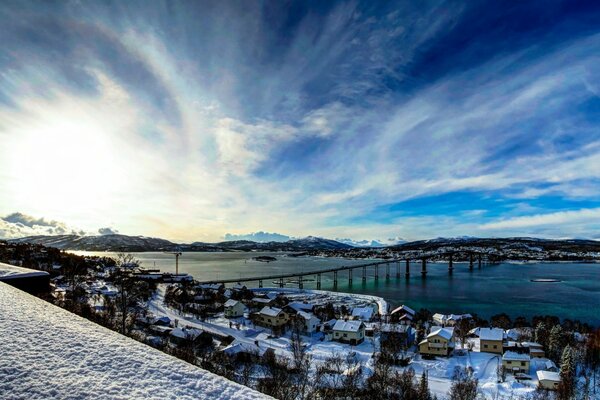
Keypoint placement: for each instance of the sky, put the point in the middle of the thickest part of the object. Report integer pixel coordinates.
(212, 120)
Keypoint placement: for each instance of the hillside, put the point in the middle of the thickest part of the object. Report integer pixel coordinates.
(126, 243)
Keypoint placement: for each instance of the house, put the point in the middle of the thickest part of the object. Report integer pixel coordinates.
(310, 323)
(403, 314)
(401, 332)
(453, 319)
(272, 317)
(516, 362)
(179, 336)
(439, 319)
(233, 308)
(490, 340)
(298, 306)
(536, 350)
(548, 379)
(351, 332)
(363, 313)
(438, 343)
(258, 302)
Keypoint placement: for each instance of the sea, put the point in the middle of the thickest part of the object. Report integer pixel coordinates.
(507, 288)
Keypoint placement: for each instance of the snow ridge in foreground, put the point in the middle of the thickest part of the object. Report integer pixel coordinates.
(49, 353)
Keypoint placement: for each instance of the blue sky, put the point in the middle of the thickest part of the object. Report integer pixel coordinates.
(210, 120)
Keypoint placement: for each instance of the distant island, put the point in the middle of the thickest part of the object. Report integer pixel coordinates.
(264, 258)
(494, 249)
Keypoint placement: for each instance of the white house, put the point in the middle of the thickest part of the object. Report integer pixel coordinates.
(516, 362)
(233, 308)
(352, 332)
(439, 319)
(548, 379)
(309, 321)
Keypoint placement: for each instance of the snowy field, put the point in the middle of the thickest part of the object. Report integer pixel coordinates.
(50, 353)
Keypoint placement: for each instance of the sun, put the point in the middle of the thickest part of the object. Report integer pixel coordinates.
(64, 158)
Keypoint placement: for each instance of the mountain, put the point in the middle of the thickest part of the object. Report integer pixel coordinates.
(117, 242)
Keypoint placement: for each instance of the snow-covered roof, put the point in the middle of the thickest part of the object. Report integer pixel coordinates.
(403, 308)
(261, 300)
(347, 326)
(298, 306)
(270, 311)
(364, 313)
(72, 357)
(443, 332)
(548, 376)
(514, 356)
(491, 334)
(307, 316)
(8, 271)
(230, 303)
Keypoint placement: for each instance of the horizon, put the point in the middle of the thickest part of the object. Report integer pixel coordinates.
(216, 121)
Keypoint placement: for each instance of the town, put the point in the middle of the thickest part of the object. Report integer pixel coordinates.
(323, 344)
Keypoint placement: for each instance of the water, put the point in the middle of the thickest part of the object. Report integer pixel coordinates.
(491, 290)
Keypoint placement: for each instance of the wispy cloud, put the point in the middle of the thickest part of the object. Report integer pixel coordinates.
(188, 120)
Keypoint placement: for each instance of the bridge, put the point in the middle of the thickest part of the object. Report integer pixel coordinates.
(350, 269)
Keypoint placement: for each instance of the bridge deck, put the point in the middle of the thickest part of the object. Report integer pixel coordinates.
(323, 271)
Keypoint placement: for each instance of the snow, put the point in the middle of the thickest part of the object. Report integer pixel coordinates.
(364, 313)
(548, 375)
(491, 334)
(50, 353)
(513, 356)
(347, 326)
(230, 303)
(8, 271)
(443, 332)
(270, 311)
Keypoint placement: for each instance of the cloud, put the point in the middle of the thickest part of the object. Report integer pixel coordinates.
(556, 219)
(17, 225)
(327, 123)
(107, 231)
(259, 236)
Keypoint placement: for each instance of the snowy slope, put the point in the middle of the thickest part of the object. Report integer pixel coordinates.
(48, 353)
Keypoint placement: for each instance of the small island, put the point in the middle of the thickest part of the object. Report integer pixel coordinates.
(264, 258)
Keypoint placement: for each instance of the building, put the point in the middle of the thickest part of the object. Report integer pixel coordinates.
(438, 343)
(403, 314)
(439, 319)
(351, 332)
(363, 313)
(536, 350)
(516, 362)
(490, 340)
(548, 379)
(272, 317)
(403, 333)
(233, 308)
(310, 323)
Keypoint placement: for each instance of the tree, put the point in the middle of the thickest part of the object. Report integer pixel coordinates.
(542, 334)
(464, 386)
(462, 328)
(501, 321)
(130, 292)
(423, 392)
(592, 355)
(556, 343)
(566, 387)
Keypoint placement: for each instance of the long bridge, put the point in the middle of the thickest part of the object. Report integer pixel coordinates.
(350, 268)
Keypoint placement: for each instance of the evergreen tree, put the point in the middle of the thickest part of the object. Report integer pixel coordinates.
(556, 343)
(541, 334)
(566, 388)
(423, 392)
